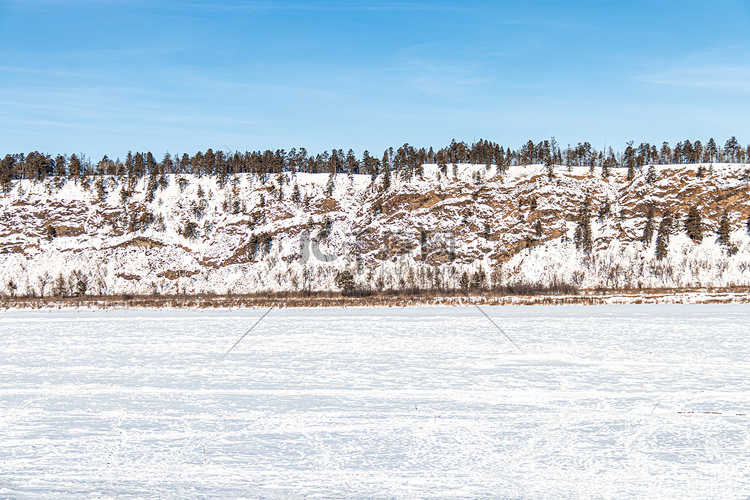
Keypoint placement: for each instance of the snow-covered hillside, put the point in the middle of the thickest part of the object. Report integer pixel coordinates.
(296, 232)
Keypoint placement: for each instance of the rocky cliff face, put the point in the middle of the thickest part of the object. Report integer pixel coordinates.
(468, 226)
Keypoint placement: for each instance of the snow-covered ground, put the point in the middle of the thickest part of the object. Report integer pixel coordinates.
(604, 402)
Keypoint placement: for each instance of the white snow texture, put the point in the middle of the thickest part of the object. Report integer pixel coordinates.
(604, 402)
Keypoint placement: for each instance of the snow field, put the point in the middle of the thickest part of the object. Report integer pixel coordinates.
(377, 403)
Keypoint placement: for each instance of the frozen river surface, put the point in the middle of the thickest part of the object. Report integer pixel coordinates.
(603, 401)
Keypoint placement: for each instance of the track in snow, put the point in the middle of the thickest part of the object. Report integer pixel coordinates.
(377, 403)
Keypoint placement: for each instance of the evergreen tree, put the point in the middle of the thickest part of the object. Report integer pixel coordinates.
(648, 229)
(370, 165)
(583, 236)
(190, 230)
(345, 281)
(479, 278)
(139, 167)
(184, 166)
(386, 177)
(464, 281)
(352, 165)
(151, 187)
(629, 159)
(60, 166)
(168, 164)
(662, 236)
(711, 151)
(694, 224)
(101, 192)
(724, 235)
(330, 185)
(74, 167)
(7, 165)
(665, 154)
(651, 175)
(731, 149)
(295, 193)
(151, 165)
(38, 166)
(697, 152)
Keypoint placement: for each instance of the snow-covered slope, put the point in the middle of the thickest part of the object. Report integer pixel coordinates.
(251, 234)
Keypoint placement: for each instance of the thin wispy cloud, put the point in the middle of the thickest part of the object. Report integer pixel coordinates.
(326, 6)
(721, 78)
(719, 69)
(447, 80)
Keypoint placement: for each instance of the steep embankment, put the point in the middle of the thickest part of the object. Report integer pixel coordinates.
(296, 232)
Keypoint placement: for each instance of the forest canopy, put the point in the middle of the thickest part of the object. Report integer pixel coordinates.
(406, 160)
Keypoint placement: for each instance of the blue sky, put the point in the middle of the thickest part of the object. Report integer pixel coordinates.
(108, 76)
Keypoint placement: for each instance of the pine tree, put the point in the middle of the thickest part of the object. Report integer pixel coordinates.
(6, 172)
(101, 192)
(662, 236)
(60, 166)
(479, 278)
(74, 167)
(648, 229)
(583, 237)
(651, 175)
(724, 235)
(711, 150)
(266, 242)
(731, 148)
(295, 193)
(629, 160)
(724, 230)
(153, 183)
(694, 225)
(190, 230)
(370, 164)
(330, 184)
(345, 281)
(464, 281)
(386, 178)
